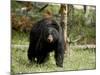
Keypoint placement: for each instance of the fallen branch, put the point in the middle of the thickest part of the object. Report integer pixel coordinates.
(75, 46)
(83, 46)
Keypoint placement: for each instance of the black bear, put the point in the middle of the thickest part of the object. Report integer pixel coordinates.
(46, 36)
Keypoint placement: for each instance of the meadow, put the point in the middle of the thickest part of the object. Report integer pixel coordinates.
(78, 59)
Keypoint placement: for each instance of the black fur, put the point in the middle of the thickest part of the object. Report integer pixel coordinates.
(39, 48)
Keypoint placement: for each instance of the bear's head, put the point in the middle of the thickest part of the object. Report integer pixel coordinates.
(50, 34)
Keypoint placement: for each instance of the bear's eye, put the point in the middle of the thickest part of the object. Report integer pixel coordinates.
(53, 33)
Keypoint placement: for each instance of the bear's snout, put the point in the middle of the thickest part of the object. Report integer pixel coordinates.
(50, 39)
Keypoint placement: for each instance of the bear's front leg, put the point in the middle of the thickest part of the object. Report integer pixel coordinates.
(59, 55)
(31, 53)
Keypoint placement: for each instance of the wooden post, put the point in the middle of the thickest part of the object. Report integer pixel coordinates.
(63, 12)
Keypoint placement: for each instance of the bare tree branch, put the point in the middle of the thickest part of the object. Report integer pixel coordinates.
(43, 7)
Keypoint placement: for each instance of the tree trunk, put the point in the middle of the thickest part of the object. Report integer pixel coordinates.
(70, 21)
(63, 13)
(85, 8)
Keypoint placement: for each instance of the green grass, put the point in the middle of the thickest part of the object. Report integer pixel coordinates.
(77, 60)
(20, 37)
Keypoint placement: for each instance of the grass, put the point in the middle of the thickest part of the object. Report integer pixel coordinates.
(20, 37)
(78, 60)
